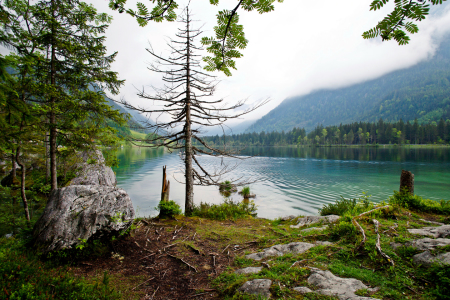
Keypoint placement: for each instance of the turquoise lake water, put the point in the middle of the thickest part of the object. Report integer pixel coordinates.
(291, 180)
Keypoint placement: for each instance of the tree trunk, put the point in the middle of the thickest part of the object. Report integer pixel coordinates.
(52, 116)
(22, 184)
(47, 156)
(407, 182)
(165, 187)
(14, 166)
(189, 201)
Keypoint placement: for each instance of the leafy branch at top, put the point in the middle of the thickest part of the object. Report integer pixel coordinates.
(229, 35)
(401, 19)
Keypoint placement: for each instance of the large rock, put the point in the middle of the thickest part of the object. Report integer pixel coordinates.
(257, 287)
(309, 220)
(93, 171)
(79, 212)
(426, 258)
(331, 285)
(279, 250)
(424, 244)
(436, 232)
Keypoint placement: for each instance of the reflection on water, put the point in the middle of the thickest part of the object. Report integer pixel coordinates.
(291, 180)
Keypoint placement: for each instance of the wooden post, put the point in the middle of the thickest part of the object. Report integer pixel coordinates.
(407, 182)
(165, 187)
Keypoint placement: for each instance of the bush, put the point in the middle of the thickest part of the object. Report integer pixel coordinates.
(440, 276)
(245, 191)
(414, 202)
(168, 209)
(227, 210)
(352, 206)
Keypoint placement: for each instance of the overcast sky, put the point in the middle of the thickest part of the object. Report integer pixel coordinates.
(300, 47)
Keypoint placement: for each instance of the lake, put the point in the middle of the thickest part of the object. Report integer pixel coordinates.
(291, 180)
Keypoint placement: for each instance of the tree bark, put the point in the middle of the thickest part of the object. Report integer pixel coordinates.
(52, 116)
(407, 182)
(22, 184)
(14, 166)
(189, 201)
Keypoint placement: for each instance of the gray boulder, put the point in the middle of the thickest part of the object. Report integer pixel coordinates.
(249, 270)
(257, 287)
(93, 171)
(331, 285)
(424, 244)
(426, 258)
(436, 232)
(79, 212)
(279, 250)
(309, 220)
(302, 289)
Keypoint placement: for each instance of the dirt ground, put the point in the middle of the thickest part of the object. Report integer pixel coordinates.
(165, 259)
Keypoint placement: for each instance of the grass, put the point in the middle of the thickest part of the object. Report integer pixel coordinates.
(230, 226)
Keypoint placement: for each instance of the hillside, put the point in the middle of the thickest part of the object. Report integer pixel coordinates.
(420, 91)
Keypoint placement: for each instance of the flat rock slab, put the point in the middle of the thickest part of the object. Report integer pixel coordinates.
(249, 270)
(424, 244)
(302, 289)
(436, 232)
(308, 220)
(257, 287)
(314, 228)
(279, 250)
(426, 259)
(331, 285)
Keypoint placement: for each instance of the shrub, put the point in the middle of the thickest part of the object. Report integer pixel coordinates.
(352, 206)
(227, 210)
(168, 209)
(414, 202)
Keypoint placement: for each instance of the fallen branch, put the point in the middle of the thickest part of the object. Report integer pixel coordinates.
(391, 228)
(378, 244)
(359, 226)
(154, 293)
(192, 296)
(147, 256)
(225, 248)
(183, 262)
(142, 283)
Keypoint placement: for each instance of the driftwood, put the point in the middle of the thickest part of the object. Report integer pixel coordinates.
(165, 187)
(407, 182)
(359, 226)
(378, 244)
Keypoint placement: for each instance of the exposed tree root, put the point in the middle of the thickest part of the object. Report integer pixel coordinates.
(359, 226)
(378, 245)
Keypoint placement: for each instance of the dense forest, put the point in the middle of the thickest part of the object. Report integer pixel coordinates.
(357, 133)
(420, 91)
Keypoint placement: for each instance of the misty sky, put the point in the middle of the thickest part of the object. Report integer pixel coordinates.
(300, 47)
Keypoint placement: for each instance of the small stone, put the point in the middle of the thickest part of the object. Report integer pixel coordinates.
(323, 243)
(249, 270)
(308, 220)
(436, 232)
(314, 228)
(331, 285)
(287, 218)
(257, 287)
(302, 289)
(279, 250)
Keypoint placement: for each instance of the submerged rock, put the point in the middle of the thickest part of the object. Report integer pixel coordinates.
(309, 220)
(331, 285)
(257, 287)
(279, 250)
(76, 213)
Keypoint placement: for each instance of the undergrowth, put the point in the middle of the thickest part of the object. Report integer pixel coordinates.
(226, 210)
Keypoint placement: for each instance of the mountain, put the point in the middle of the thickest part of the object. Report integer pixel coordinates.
(232, 129)
(421, 91)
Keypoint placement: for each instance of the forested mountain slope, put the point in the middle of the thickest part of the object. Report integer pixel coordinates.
(421, 91)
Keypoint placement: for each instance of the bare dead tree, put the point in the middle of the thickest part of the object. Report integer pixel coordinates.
(187, 99)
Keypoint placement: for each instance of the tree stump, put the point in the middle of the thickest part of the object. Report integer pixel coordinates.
(165, 187)
(407, 182)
